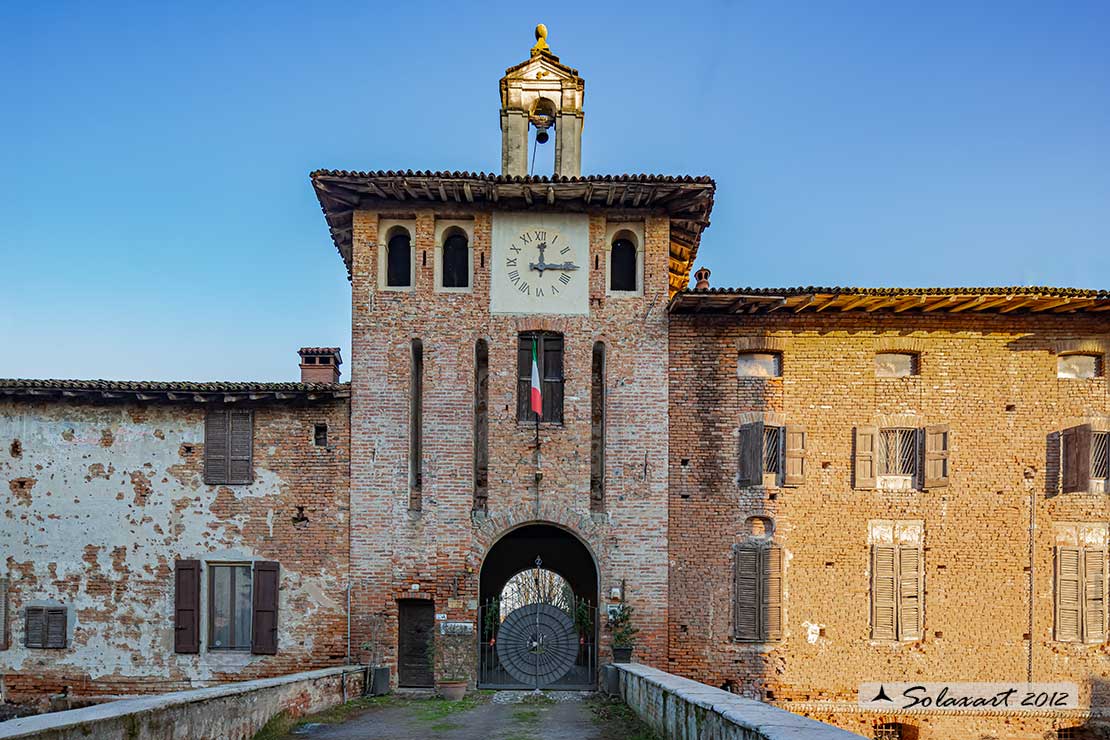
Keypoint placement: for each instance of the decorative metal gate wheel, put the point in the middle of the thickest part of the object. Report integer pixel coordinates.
(537, 644)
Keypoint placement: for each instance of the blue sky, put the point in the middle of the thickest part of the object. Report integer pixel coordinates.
(156, 219)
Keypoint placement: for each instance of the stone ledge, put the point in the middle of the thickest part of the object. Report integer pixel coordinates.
(671, 704)
(250, 703)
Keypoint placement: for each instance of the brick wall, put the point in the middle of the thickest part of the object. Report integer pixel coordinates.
(107, 496)
(993, 380)
(439, 550)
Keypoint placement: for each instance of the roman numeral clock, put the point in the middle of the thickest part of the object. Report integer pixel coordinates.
(540, 264)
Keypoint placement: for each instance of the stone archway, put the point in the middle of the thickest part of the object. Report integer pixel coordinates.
(550, 643)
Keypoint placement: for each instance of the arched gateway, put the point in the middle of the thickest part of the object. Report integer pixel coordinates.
(537, 618)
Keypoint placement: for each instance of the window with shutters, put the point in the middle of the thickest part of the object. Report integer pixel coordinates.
(546, 348)
(897, 591)
(901, 459)
(46, 627)
(1081, 594)
(757, 593)
(228, 445)
(1085, 460)
(772, 455)
(229, 606)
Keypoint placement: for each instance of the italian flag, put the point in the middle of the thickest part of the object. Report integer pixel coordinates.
(537, 398)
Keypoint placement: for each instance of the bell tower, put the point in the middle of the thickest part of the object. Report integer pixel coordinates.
(544, 94)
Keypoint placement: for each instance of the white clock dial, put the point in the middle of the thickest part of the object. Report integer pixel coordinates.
(540, 262)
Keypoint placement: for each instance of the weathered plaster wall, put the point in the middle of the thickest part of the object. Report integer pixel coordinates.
(992, 379)
(100, 499)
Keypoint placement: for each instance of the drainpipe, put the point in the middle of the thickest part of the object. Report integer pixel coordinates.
(1029, 477)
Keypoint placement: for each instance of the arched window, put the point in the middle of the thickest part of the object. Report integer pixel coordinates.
(398, 271)
(622, 264)
(456, 260)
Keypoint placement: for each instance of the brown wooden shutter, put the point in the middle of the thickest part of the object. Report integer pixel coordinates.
(3, 613)
(241, 434)
(751, 454)
(55, 627)
(909, 593)
(1069, 589)
(34, 627)
(795, 473)
(1094, 595)
(186, 611)
(866, 441)
(551, 372)
(524, 378)
(1076, 458)
(936, 456)
(772, 594)
(215, 447)
(264, 622)
(747, 606)
(883, 592)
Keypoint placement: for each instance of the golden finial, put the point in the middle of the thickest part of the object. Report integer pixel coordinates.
(541, 40)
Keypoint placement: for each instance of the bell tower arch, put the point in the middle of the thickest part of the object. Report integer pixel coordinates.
(544, 94)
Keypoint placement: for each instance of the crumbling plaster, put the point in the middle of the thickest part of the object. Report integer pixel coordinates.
(117, 496)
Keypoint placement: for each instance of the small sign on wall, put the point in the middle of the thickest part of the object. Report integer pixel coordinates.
(456, 628)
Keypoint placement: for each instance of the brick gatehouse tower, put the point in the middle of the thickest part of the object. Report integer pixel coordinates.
(457, 485)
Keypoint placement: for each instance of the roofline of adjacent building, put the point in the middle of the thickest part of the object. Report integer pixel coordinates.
(173, 392)
(1003, 300)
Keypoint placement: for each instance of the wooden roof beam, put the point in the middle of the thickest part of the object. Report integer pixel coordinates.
(827, 303)
(805, 303)
(968, 304)
(906, 305)
(1050, 304)
(943, 303)
(1020, 303)
(857, 303)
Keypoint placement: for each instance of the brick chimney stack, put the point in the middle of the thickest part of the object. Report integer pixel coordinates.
(320, 364)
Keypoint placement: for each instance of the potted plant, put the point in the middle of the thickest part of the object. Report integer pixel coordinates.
(624, 633)
(453, 654)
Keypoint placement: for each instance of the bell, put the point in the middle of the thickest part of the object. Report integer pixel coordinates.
(541, 134)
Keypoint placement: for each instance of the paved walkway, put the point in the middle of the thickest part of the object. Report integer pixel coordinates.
(480, 717)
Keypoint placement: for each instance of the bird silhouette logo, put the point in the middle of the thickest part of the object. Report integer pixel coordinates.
(881, 696)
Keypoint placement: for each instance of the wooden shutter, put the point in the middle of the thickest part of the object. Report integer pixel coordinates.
(883, 592)
(772, 594)
(936, 456)
(215, 447)
(1094, 595)
(1069, 590)
(1076, 458)
(186, 606)
(909, 593)
(524, 378)
(34, 627)
(55, 627)
(751, 454)
(866, 441)
(795, 473)
(241, 434)
(551, 372)
(747, 602)
(264, 621)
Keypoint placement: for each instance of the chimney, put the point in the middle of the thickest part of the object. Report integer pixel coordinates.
(320, 364)
(702, 278)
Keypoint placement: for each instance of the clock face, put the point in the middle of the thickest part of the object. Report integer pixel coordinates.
(539, 262)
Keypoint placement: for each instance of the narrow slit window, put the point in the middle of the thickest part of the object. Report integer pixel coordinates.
(597, 429)
(416, 423)
(481, 425)
(320, 435)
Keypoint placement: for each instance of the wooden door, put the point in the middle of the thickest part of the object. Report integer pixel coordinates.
(416, 620)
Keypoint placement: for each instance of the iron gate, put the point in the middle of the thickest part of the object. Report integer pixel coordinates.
(537, 646)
